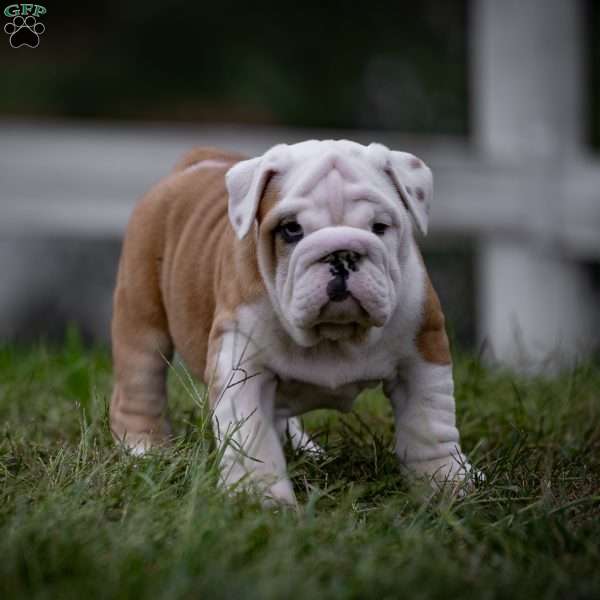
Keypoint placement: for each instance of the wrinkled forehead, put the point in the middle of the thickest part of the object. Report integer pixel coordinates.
(339, 167)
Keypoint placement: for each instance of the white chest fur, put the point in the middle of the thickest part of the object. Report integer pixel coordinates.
(331, 374)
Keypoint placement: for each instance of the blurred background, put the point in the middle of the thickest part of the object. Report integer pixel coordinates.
(501, 99)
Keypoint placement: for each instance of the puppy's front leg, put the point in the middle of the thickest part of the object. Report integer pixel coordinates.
(427, 440)
(243, 400)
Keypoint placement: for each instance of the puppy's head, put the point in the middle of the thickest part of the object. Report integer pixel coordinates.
(333, 222)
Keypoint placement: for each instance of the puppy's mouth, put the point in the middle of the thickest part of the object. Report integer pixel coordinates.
(349, 310)
(345, 319)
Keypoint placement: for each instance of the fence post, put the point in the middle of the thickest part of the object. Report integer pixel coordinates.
(527, 84)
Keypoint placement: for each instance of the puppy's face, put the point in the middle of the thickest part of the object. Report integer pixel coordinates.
(333, 226)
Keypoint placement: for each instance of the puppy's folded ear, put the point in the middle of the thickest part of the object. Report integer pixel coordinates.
(246, 182)
(411, 178)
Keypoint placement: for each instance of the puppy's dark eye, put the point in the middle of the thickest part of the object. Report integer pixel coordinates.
(291, 232)
(379, 228)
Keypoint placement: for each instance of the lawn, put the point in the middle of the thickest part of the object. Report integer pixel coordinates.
(79, 519)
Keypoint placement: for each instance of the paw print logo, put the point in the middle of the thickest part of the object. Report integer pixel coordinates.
(24, 31)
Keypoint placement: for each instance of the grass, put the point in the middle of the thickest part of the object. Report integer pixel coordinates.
(79, 519)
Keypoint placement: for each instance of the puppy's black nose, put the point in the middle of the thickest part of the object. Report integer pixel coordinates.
(343, 259)
(341, 263)
(337, 290)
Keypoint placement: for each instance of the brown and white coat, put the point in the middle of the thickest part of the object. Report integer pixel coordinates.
(279, 323)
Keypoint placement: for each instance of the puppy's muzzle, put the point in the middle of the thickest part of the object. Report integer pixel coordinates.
(338, 276)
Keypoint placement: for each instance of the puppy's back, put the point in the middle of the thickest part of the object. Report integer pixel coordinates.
(167, 243)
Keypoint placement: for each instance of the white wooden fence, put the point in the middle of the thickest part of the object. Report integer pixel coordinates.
(523, 187)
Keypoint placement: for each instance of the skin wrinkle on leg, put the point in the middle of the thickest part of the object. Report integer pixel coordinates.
(138, 404)
(427, 440)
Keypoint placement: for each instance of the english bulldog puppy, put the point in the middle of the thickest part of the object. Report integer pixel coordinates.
(286, 282)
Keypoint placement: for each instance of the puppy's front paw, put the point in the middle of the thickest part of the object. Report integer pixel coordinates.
(280, 494)
(451, 472)
(272, 491)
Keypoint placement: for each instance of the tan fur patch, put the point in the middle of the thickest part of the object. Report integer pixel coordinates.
(269, 199)
(432, 341)
(183, 273)
(248, 286)
(268, 242)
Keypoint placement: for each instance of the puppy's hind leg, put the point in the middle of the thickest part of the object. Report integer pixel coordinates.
(292, 428)
(142, 350)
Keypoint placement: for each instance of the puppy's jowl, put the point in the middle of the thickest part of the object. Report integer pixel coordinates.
(287, 282)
